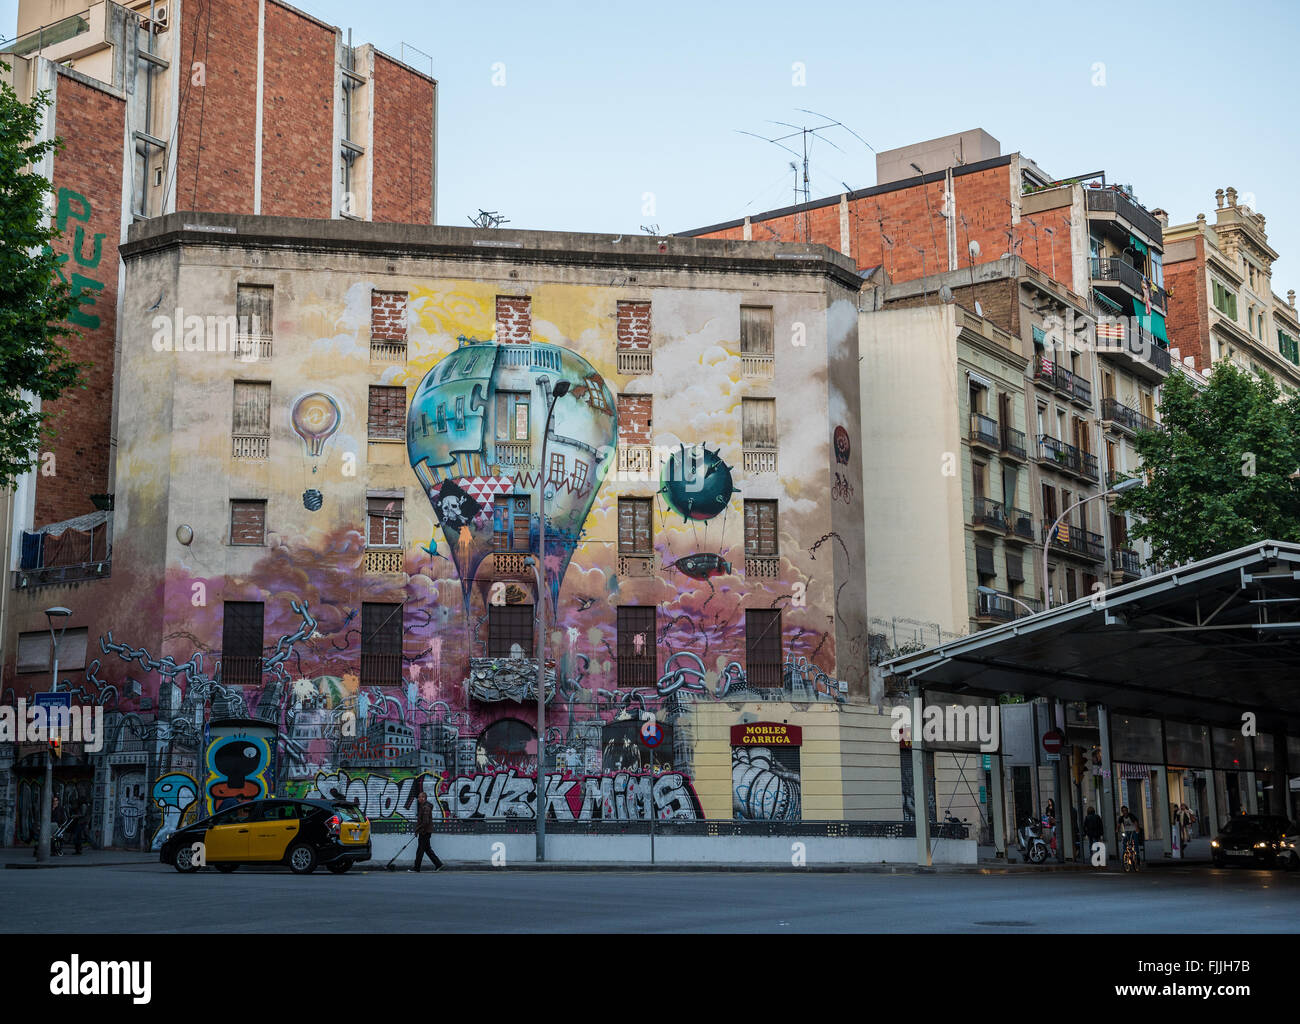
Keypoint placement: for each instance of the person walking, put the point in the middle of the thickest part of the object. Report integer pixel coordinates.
(423, 830)
(1093, 827)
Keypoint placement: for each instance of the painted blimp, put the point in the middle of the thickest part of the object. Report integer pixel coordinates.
(474, 438)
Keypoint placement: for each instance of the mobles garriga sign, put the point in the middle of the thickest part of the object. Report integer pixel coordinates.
(766, 734)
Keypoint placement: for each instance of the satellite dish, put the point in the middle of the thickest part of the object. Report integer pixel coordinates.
(945, 294)
(979, 310)
(973, 249)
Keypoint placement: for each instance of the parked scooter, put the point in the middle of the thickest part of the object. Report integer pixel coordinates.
(1033, 847)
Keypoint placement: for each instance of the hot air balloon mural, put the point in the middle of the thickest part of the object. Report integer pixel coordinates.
(474, 438)
(698, 486)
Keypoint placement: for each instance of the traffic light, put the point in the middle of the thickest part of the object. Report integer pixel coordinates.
(55, 746)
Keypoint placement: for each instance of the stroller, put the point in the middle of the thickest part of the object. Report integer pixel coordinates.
(57, 838)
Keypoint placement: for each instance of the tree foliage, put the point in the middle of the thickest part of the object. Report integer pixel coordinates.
(1217, 469)
(35, 301)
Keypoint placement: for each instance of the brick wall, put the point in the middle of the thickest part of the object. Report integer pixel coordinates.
(297, 116)
(388, 316)
(998, 300)
(1188, 317)
(635, 415)
(634, 325)
(88, 197)
(402, 155)
(217, 125)
(1049, 252)
(514, 320)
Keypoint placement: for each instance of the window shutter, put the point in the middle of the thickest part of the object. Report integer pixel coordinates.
(763, 647)
(252, 412)
(34, 652)
(635, 535)
(758, 422)
(756, 330)
(1015, 568)
(247, 522)
(760, 528)
(253, 308)
(984, 561)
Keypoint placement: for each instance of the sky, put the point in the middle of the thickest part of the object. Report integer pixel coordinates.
(616, 116)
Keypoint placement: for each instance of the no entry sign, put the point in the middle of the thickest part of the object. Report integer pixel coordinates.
(1053, 741)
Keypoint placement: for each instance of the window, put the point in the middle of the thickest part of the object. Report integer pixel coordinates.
(512, 523)
(1225, 300)
(633, 326)
(387, 415)
(388, 316)
(383, 522)
(253, 308)
(758, 422)
(979, 474)
(984, 566)
(510, 626)
(1071, 586)
(512, 416)
(635, 417)
(763, 647)
(381, 644)
(248, 523)
(635, 526)
(251, 420)
(1288, 346)
(637, 650)
(514, 320)
(241, 642)
(760, 528)
(755, 330)
(34, 650)
(1049, 504)
(1015, 570)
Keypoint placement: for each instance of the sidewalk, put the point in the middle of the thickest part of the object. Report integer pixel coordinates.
(21, 857)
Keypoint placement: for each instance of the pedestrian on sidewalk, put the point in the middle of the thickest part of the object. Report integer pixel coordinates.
(424, 829)
(1093, 828)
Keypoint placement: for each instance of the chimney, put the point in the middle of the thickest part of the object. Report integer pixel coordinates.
(1162, 216)
(1290, 298)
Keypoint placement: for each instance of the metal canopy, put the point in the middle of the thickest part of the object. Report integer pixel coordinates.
(1204, 643)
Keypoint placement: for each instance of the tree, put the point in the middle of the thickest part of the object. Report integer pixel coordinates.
(1217, 468)
(35, 302)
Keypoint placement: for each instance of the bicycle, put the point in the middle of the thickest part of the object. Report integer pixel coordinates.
(842, 489)
(1131, 860)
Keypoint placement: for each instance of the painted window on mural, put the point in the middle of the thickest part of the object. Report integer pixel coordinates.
(241, 642)
(760, 528)
(510, 631)
(637, 653)
(248, 523)
(383, 522)
(635, 529)
(381, 644)
(386, 419)
(512, 416)
(763, 647)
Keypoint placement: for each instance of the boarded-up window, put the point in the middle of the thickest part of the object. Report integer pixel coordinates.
(758, 422)
(763, 647)
(384, 522)
(34, 650)
(760, 528)
(635, 532)
(241, 642)
(633, 326)
(387, 416)
(253, 309)
(252, 410)
(635, 415)
(510, 626)
(381, 644)
(984, 561)
(756, 330)
(248, 522)
(637, 653)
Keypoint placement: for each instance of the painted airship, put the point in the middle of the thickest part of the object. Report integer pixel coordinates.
(702, 566)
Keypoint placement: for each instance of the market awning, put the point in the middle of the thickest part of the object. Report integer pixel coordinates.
(1206, 643)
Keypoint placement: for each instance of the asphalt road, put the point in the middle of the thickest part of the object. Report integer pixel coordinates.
(150, 898)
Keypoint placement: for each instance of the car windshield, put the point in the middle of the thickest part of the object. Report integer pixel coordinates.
(1241, 826)
(349, 812)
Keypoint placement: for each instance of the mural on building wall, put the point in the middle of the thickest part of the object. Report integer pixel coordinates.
(131, 798)
(474, 444)
(762, 788)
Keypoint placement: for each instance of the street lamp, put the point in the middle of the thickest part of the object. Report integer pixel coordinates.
(997, 593)
(561, 389)
(43, 841)
(1119, 488)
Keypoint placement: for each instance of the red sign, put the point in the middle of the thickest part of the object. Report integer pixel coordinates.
(766, 734)
(1053, 742)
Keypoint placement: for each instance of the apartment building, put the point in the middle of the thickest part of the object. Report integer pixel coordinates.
(336, 523)
(1222, 303)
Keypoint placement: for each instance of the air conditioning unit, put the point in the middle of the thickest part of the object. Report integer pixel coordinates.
(160, 17)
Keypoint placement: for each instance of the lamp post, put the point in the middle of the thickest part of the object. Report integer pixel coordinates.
(43, 840)
(1119, 488)
(561, 389)
(996, 593)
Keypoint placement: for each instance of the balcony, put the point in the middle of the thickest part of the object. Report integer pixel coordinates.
(1080, 389)
(988, 516)
(1108, 270)
(514, 453)
(1143, 354)
(636, 565)
(633, 362)
(1056, 376)
(1121, 417)
(241, 670)
(80, 550)
(1074, 541)
(984, 431)
(757, 365)
(1013, 444)
(764, 567)
(1004, 607)
(759, 460)
(250, 446)
(387, 351)
(637, 461)
(1126, 563)
(513, 563)
(252, 348)
(383, 559)
(1067, 458)
(1111, 200)
(1020, 526)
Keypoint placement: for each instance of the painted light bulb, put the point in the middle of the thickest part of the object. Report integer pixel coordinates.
(315, 418)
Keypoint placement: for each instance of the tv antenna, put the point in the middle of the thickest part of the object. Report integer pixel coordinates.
(488, 219)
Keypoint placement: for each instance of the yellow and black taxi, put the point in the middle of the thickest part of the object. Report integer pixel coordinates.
(297, 833)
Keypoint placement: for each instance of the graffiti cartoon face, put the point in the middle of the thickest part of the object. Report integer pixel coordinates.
(841, 446)
(236, 764)
(130, 803)
(174, 794)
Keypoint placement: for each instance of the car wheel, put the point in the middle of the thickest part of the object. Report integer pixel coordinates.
(183, 859)
(225, 869)
(302, 859)
(340, 867)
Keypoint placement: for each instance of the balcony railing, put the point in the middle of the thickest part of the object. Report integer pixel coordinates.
(1124, 417)
(983, 429)
(381, 669)
(253, 348)
(763, 566)
(1126, 561)
(762, 366)
(1020, 524)
(1068, 458)
(1013, 443)
(513, 453)
(636, 564)
(637, 459)
(1110, 200)
(72, 555)
(1080, 389)
(634, 361)
(241, 670)
(1076, 541)
(1110, 268)
(990, 514)
(759, 460)
(1114, 336)
(1004, 607)
(250, 446)
(388, 351)
(383, 559)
